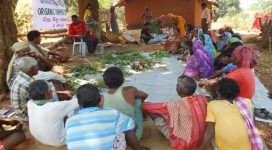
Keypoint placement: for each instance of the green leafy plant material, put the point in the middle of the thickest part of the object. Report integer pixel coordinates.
(160, 54)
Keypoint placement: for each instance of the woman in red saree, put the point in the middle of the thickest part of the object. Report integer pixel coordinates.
(172, 44)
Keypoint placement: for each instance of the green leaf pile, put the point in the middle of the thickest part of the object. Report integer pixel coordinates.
(160, 54)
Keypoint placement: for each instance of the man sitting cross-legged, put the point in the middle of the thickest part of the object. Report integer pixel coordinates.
(95, 127)
(15, 138)
(34, 41)
(46, 117)
(185, 123)
(126, 99)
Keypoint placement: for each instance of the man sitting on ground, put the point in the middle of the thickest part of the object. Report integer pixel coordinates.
(21, 50)
(46, 117)
(78, 31)
(19, 95)
(124, 99)
(185, 123)
(34, 40)
(15, 138)
(95, 127)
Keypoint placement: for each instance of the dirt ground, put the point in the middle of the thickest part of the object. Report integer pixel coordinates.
(264, 73)
(156, 141)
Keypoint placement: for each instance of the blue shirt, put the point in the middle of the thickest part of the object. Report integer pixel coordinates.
(229, 67)
(95, 128)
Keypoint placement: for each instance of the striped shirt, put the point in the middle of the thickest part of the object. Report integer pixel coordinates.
(19, 95)
(95, 128)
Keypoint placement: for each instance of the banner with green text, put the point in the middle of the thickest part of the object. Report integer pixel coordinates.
(49, 14)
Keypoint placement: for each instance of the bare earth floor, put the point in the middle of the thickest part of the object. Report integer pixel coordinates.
(156, 141)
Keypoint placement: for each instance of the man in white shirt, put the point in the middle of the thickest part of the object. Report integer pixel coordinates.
(46, 117)
(205, 17)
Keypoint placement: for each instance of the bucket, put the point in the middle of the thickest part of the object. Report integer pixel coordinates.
(100, 48)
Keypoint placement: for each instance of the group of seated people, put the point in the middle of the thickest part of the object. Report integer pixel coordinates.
(114, 119)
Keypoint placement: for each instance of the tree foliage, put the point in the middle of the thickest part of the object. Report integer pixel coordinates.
(71, 7)
(230, 7)
(262, 6)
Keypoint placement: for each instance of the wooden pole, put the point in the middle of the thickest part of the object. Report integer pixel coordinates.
(58, 43)
(48, 32)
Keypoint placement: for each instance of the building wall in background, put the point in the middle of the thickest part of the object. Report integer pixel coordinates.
(190, 10)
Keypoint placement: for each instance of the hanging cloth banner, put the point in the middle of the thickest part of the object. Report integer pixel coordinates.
(49, 14)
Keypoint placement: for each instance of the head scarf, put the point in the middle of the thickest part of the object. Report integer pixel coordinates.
(227, 38)
(16, 47)
(200, 32)
(170, 15)
(200, 62)
(161, 20)
(235, 40)
(245, 56)
(221, 44)
(208, 46)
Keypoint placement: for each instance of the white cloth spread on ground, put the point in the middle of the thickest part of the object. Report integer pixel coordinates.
(46, 122)
(160, 83)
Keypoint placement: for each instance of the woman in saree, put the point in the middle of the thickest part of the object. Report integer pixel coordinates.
(180, 21)
(172, 44)
(197, 34)
(224, 40)
(200, 65)
(157, 24)
(208, 46)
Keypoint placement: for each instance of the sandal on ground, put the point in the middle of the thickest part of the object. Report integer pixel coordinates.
(262, 113)
(269, 95)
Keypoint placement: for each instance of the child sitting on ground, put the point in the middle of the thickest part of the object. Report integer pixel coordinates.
(182, 43)
(225, 59)
(47, 117)
(172, 29)
(145, 33)
(15, 138)
(188, 51)
(123, 99)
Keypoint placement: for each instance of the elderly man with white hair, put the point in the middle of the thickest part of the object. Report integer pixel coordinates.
(21, 49)
(19, 95)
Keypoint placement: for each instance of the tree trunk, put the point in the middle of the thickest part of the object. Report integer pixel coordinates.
(82, 7)
(8, 35)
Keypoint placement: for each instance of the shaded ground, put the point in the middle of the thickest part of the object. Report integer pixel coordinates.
(264, 73)
(156, 140)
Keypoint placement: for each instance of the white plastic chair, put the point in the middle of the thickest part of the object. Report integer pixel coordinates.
(82, 47)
